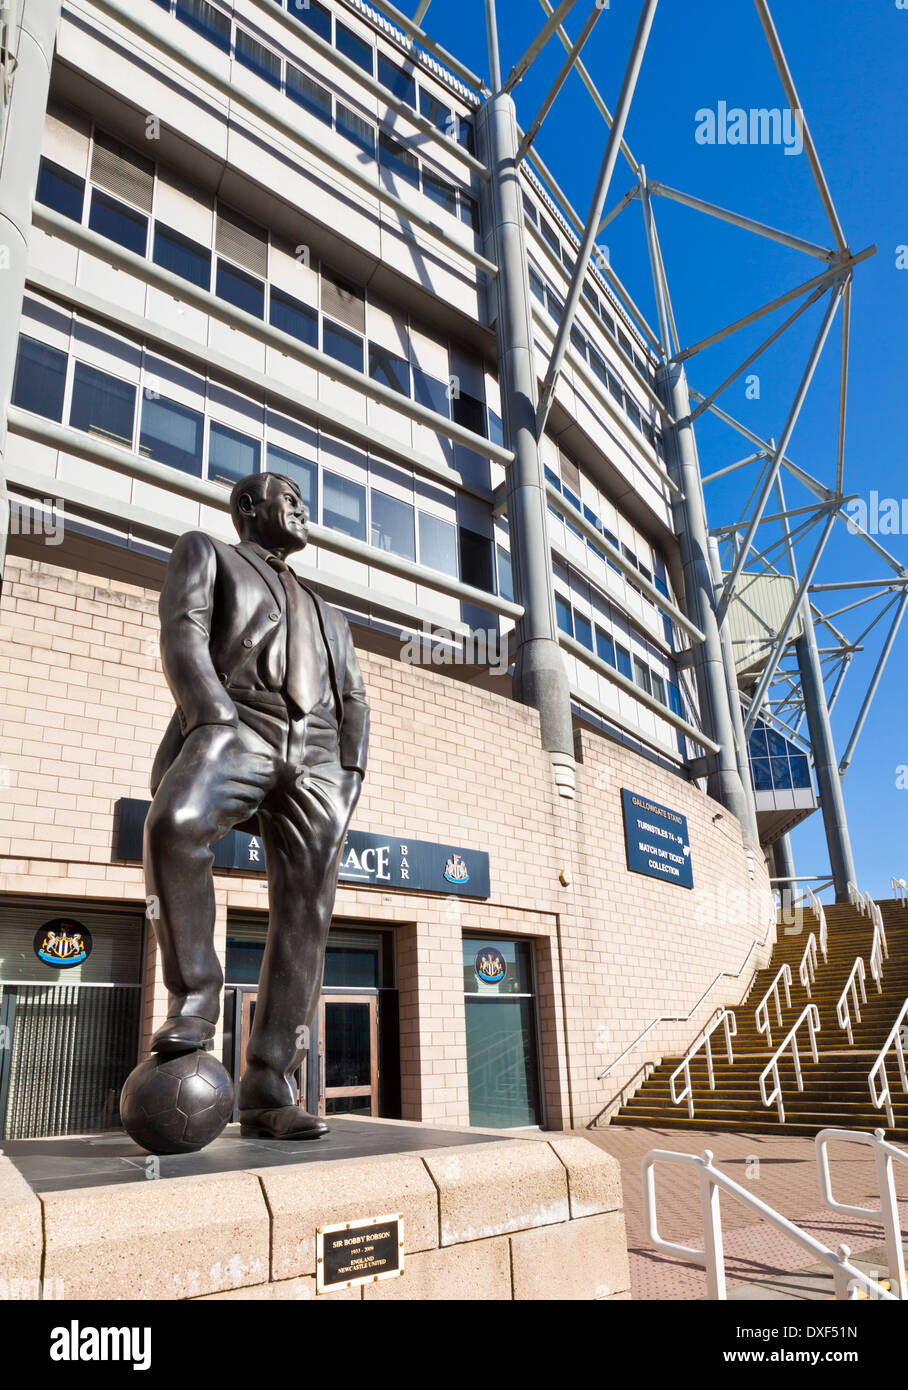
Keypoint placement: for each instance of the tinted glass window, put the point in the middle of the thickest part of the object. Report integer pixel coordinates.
(342, 345)
(102, 404)
(398, 161)
(435, 111)
(397, 81)
(257, 58)
(311, 96)
(389, 369)
(60, 190)
(212, 24)
(183, 257)
(642, 676)
(243, 290)
(172, 434)
(231, 455)
(392, 525)
(583, 630)
(303, 473)
(431, 392)
(605, 647)
(437, 544)
(40, 380)
(476, 566)
(344, 506)
(564, 614)
(537, 286)
(444, 194)
(469, 211)
(467, 411)
(353, 47)
(505, 575)
(353, 128)
(115, 220)
(292, 316)
(314, 15)
(623, 660)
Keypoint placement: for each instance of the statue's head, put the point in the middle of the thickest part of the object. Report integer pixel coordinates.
(268, 508)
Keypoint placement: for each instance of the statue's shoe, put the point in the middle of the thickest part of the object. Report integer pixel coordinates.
(184, 1035)
(286, 1122)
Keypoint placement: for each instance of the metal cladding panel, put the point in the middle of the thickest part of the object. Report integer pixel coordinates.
(770, 596)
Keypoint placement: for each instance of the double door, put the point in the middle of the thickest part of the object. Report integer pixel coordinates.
(342, 1071)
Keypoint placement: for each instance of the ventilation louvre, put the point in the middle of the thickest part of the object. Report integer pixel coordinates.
(344, 302)
(121, 171)
(242, 242)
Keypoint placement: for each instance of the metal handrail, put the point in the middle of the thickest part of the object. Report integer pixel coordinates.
(685, 1018)
(884, 1096)
(727, 1018)
(847, 1278)
(812, 1015)
(807, 970)
(855, 896)
(899, 890)
(816, 908)
(773, 992)
(843, 1007)
(888, 1210)
(876, 958)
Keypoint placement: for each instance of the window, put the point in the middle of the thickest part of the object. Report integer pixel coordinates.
(624, 343)
(342, 345)
(396, 160)
(440, 192)
(553, 304)
(800, 771)
(435, 111)
(231, 455)
(430, 392)
(102, 404)
(172, 434)
(344, 507)
(674, 699)
(530, 211)
(578, 340)
(389, 369)
(583, 630)
(642, 676)
(564, 615)
(393, 525)
(183, 257)
(115, 220)
(465, 134)
(598, 366)
(257, 58)
(40, 380)
(310, 95)
(437, 544)
(605, 647)
(607, 321)
(303, 473)
(469, 211)
(315, 16)
(398, 82)
(60, 190)
(633, 412)
(659, 688)
(467, 411)
(476, 560)
(505, 575)
(240, 289)
(623, 660)
(212, 24)
(548, 231)
(496, 427)
(614, 386)
(353, 128)
(354, 48)
(291, 316)
(537, 286)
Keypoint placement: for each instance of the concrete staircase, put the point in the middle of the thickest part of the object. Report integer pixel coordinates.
(835, 1088)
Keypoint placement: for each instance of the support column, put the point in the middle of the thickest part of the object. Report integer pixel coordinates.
(723, 779)
(734, 702)
(33, 45)
(540, 678)
(783, 859)
(832, 802)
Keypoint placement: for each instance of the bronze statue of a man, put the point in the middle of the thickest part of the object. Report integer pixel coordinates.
(271, 726)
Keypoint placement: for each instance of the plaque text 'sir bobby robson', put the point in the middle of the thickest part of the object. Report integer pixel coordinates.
(359, 1252)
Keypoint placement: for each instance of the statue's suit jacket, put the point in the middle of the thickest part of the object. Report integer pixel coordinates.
(219, 604)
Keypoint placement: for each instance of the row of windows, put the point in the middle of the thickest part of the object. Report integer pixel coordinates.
(176, 435)
(611, 651)
(555, 308)
(201, 266)
(598, 304)
(214, 24)
(776, 764)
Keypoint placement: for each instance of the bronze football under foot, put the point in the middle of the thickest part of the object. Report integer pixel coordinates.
(283, 1122)
(184, 1034)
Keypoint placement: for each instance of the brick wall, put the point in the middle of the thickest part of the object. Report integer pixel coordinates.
(85, 705)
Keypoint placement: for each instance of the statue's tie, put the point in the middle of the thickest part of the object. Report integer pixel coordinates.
(304, 669)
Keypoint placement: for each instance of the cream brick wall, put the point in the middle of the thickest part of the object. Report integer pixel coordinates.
(85, 705)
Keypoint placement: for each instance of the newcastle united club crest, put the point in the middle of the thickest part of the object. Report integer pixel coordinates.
(62, 943)
(456, 870)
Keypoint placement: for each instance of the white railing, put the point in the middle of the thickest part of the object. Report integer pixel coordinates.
(816, 908)
(855, 896)
(899, 890)
(811, 1015)
(807, 970)
(844, 1006)
(847, 1279)
(727, 1018)
(879, 928)
(878, 1080)
(772, 994)
(888, 1210)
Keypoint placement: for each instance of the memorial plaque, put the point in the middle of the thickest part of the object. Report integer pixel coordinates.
(359, 1252)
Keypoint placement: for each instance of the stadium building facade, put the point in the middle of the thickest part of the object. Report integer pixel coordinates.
(251, 237)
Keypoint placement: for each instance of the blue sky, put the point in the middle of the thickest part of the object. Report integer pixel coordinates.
(848, 58)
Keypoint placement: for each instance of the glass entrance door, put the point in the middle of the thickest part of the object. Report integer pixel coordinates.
(348, 1054)
(502, 1049)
